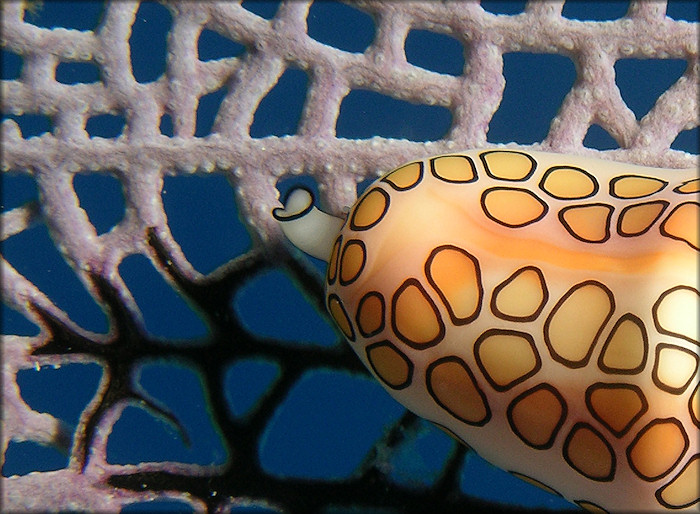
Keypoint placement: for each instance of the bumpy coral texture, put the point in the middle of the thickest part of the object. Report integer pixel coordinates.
(142, 156)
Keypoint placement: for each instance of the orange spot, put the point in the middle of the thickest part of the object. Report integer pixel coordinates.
(567, 182)
(406, 176)
(452, 385)
(370, 314)
(637, 219)
(453, 168)
(506, 357)
(333, 261)
(352, 261)
(414, 316)
(508, 165)
(625, 350)
(335, 307)
(537, 415)
(684, 489)
(573, 326)
(370, 209)
(617, 406)
(682, 224)
(534, 482)
(694, 405)
(689, 187)
(635, 186)
(589, 453)
(657, 448)
(591, 507)
(521, 296)
(392, 366)
(588, 223)
(454, 274)
(512, 207)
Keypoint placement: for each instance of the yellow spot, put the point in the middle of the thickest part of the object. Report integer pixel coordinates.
(455, 276)
(617, 406)
(689, 187)
(588, 453)
(370, 209)
(625, 350)
(635, 186)
(392, 366)
(406, 176)
(674, 368)
(537, 415)
(520, 297)
(637, 219)
(451, 434)
(335, 307)
(512, 207)
(591, 507)
(453, 168)
(333, 261)
(589, 223)
(508, 165)
(534, 482)
(414, 317)
(568, 183)
(452, 386)
(684, 489)
(676, 311)
(506, 357)
(682, 224)
(370, 314)
(576, 321)
(352, 261)
(657, 448)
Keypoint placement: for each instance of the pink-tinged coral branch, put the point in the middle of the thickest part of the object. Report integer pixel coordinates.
(142, 156)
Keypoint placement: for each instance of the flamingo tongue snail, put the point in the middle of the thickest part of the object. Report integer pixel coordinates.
(541, 308)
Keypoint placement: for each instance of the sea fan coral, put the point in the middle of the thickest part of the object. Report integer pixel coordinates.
(201, 126)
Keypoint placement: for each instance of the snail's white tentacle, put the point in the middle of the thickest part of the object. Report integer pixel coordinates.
(309, 229)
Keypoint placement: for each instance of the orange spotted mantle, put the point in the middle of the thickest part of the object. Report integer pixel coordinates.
(541, 308)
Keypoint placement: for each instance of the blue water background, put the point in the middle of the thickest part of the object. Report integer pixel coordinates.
(330, 420)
